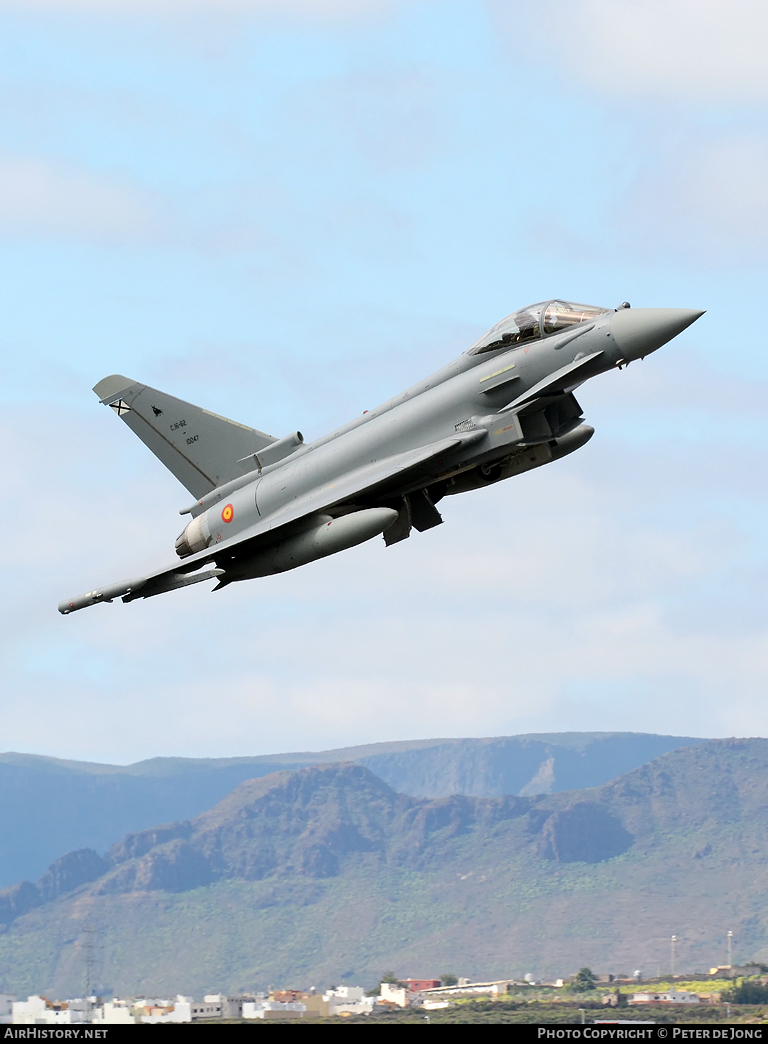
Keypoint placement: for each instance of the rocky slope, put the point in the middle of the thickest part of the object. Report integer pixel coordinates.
(49, 807)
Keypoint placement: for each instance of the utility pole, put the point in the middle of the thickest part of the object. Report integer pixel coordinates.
(88, 952)
(673, 944)
(730, 948)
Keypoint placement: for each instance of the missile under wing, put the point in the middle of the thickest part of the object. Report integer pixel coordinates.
(264, 505)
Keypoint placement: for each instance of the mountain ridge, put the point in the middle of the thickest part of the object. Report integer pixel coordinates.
(51, 806)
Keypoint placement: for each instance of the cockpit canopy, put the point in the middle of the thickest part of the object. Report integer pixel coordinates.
(534, 321)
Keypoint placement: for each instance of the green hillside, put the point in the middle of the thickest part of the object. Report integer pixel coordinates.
(326, 874)
(50, 806)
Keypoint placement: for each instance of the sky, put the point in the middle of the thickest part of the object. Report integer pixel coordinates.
(289, 211)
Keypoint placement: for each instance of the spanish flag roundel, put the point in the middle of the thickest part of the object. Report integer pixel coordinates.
(228, 513)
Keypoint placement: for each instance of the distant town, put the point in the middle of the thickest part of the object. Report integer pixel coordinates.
(725, 986)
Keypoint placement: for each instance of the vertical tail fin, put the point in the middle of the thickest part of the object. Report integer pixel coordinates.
(200, 448)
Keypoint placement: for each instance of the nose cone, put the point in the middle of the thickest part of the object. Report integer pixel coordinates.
(640, 331)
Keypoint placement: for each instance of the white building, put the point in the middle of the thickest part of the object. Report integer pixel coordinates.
(226, 1006)
(156, 1011)
(114, 1013)
(670, 997)
(345, 993)
(6, 1008)
(393, 994)
(349, 1000)
(36, 1010)
(273, 1010)
(208, 1008)
(466, 988)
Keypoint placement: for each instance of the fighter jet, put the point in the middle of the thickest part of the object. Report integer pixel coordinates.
(263, 505)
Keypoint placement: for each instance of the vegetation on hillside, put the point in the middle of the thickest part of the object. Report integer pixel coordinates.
(504, 1011)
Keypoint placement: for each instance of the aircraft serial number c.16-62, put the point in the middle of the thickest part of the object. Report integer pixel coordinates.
(503, 407)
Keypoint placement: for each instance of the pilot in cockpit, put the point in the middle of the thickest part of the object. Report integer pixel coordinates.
(526, 324)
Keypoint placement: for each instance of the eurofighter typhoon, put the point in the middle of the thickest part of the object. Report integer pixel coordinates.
(263, 505)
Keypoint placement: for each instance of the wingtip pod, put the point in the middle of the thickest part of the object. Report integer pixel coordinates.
(101, 594)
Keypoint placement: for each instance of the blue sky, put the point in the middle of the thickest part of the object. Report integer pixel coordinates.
(287, 212)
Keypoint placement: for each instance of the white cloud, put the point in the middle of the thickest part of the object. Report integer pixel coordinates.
(51, 201)
(708, 200)
(696, 49)
(698, 198)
